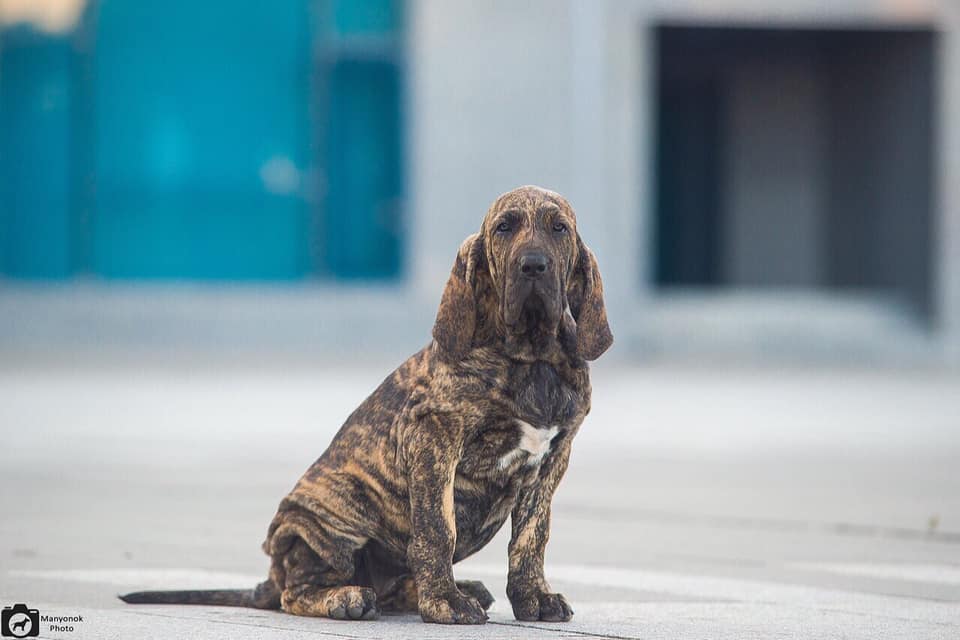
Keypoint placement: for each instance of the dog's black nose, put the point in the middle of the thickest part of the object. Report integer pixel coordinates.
(533, 265)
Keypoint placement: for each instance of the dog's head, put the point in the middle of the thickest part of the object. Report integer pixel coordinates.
(525, 275)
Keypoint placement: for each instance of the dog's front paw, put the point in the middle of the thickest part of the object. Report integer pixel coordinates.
(549, 607)
(453, 609)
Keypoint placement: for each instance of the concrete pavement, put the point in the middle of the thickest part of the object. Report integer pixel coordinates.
(700, 503)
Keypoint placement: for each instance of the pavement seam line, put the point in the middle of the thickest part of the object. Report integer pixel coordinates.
(243, 624)
(589, 634)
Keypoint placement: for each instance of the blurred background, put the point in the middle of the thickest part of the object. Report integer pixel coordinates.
(222, 223)
(757, 183)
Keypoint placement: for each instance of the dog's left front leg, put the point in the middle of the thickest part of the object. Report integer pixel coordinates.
(432, 454)
(530, 595)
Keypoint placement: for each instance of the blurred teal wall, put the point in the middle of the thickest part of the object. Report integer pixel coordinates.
(238, 140)
(35, 182)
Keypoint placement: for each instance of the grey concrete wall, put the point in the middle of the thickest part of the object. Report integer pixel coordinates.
(490, 110)
(946, 228)
(508, 93)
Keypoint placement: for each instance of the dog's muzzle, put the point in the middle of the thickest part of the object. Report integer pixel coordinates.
(533, 294)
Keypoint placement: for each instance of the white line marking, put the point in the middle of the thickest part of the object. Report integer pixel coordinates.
(148, 578)
(942, 574)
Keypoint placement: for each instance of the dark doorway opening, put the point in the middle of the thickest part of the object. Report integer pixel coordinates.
(795, 158)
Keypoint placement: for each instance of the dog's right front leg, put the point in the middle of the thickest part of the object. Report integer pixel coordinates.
(432, 453)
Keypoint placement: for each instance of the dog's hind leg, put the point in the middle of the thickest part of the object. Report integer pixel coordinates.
(314, 586)
(399, 595)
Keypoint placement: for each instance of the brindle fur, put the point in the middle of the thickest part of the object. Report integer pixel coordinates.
(427, 469)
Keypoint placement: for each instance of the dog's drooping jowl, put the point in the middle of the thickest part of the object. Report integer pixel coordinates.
(472, 429)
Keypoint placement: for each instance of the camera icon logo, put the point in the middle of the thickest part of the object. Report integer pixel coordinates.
(19, 621)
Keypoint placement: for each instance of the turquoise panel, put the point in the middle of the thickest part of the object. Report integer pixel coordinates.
(196, 101)
(35, 188)
(240, 140)
(363, 158)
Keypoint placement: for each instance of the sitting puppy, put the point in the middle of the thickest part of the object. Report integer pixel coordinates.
(474, 427)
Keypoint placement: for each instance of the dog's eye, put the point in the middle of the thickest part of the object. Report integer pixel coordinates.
(559, 227)
(503, 227)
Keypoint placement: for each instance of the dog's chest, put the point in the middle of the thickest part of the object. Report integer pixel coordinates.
(532, 445)
(507, 454)
(521, 433)
(494, 468)
(542, 396)
(509, 449)
(543, 405)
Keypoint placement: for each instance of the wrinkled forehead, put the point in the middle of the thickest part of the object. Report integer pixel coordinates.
(531, 200)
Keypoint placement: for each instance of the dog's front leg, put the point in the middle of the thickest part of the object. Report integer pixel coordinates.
(530, 595)
(432, 453)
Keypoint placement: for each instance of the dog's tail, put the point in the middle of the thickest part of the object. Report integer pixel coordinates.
(265, 596)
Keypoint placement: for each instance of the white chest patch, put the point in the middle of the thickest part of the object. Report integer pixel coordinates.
(533, 441)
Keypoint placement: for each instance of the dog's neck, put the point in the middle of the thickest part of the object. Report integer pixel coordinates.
(532, 340)
(527, 348)
(541, 343)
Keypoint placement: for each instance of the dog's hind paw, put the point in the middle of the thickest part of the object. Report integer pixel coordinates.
(339, 603)
(476, 589)
(352, 603)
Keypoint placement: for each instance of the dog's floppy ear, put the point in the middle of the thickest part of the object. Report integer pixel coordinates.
(457, 317)
(585, 296)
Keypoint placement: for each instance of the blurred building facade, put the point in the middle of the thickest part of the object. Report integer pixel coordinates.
(755, 182)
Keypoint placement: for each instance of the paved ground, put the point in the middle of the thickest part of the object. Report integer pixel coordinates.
(707, 503)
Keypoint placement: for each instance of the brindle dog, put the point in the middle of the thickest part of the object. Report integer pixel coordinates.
(474, 427)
